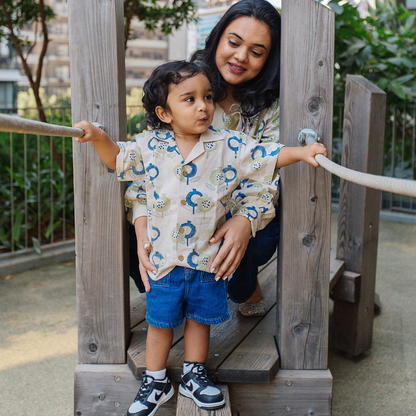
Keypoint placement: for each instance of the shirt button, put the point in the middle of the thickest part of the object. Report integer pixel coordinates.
(183, 202)
(180, 258)
(181, 230)
(185, 173)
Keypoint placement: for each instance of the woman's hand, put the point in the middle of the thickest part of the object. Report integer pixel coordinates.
(236, 233)
(143, 249)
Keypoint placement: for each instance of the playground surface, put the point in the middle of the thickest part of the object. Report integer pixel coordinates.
(38, 342)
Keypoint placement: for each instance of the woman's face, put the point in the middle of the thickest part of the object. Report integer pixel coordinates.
(242, 50)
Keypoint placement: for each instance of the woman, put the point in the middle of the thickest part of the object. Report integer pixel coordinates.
(243, 52)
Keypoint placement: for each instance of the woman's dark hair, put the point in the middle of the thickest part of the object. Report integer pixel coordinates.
(156, 88)
(261, 91)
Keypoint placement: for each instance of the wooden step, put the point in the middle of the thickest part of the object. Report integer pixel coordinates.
(187, 407)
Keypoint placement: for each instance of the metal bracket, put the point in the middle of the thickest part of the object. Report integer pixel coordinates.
(308, 136)
(96, 124)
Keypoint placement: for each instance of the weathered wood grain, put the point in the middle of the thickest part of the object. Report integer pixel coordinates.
(102, 389)
(137, 310)
(98, 94)
(348, 288)
(256, 359)
(308, 30)
(359, 210)
(299, 393)
(187, 407)
(337, 267)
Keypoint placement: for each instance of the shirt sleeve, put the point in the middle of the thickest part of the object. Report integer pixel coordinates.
(269, 132)
(135, 201)
(258, 189)
(129, 162)
(130, 167)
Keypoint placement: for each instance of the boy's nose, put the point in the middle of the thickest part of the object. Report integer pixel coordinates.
(202, 106)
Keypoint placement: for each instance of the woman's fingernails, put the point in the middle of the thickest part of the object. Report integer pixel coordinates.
(217, 278)
(212, 240)
(212, 270)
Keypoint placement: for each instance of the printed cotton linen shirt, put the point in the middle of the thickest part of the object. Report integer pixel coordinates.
(187, 200)
(263, 128)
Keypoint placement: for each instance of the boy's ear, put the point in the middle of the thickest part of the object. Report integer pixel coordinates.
(163, 115)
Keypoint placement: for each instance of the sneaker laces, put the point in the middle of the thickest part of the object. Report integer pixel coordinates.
(201, 375)
(145, 389)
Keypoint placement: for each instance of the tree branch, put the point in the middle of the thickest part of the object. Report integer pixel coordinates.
(128, 21)
(17, 44)
(45, 42)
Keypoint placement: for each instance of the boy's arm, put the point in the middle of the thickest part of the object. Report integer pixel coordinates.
(105, 147)
(143, 249)
(290, 155)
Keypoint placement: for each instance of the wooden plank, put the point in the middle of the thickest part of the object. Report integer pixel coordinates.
(298, 393)
(102, 389)
(225, 337)
(359, 210)
(256, 359)
(336, 270)
(348, 288)
(98, 94)
(137, 310)
(187, 407)
(308, 27)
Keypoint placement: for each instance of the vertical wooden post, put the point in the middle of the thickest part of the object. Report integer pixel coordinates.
(98, 94)
(359, 210)
(308, 34)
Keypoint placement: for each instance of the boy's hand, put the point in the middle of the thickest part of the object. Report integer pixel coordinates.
(143, 249)
(311, 150)
(105, 147)
(91, 134)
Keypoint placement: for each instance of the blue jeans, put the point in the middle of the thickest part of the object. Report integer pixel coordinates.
(186, 293)
(260, 250)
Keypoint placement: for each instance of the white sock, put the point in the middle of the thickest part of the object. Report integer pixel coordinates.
(187, 367)
(157, 375)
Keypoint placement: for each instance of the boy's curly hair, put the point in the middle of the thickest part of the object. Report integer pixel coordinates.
(156, 88)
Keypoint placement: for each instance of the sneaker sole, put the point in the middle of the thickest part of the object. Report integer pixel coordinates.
(204, 406)
(162, 401)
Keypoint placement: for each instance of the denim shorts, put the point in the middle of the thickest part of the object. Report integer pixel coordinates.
(186, 293)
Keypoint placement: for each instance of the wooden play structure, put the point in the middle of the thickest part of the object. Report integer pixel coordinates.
(271, 366)
(276, 365)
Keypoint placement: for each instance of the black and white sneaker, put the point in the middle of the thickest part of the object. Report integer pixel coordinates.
(197, 386)
(152, 394)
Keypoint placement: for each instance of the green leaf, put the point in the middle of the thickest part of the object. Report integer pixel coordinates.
(396, 61)
(409, 62)
(382, 83)
(398, 90)
(364, 54)
(36, 245)
(404, 78)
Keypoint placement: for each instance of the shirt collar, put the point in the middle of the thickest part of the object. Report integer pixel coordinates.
(210, 135)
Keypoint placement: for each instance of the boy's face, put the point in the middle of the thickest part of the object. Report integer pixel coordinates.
(191, 108)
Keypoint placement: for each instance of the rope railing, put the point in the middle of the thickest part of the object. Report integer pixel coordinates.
(382, 183)
(21, 125)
